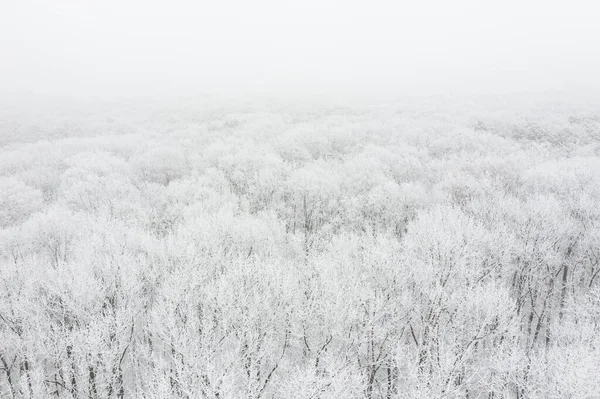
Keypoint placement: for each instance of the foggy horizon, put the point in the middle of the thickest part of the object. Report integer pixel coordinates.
(111, 49)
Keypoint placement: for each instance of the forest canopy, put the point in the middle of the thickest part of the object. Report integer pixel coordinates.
(430, 250)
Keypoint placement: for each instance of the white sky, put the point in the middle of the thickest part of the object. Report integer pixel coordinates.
(144, 46)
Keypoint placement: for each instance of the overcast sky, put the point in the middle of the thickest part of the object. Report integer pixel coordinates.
(144, 46)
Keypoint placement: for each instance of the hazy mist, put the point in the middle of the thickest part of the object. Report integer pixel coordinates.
(105, 48)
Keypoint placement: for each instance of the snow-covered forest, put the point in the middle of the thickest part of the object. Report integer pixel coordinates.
(429, 250)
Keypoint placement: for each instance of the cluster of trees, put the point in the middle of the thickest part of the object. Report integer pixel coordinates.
(340, 253)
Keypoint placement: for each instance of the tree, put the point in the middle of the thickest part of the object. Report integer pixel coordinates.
(18, 201)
